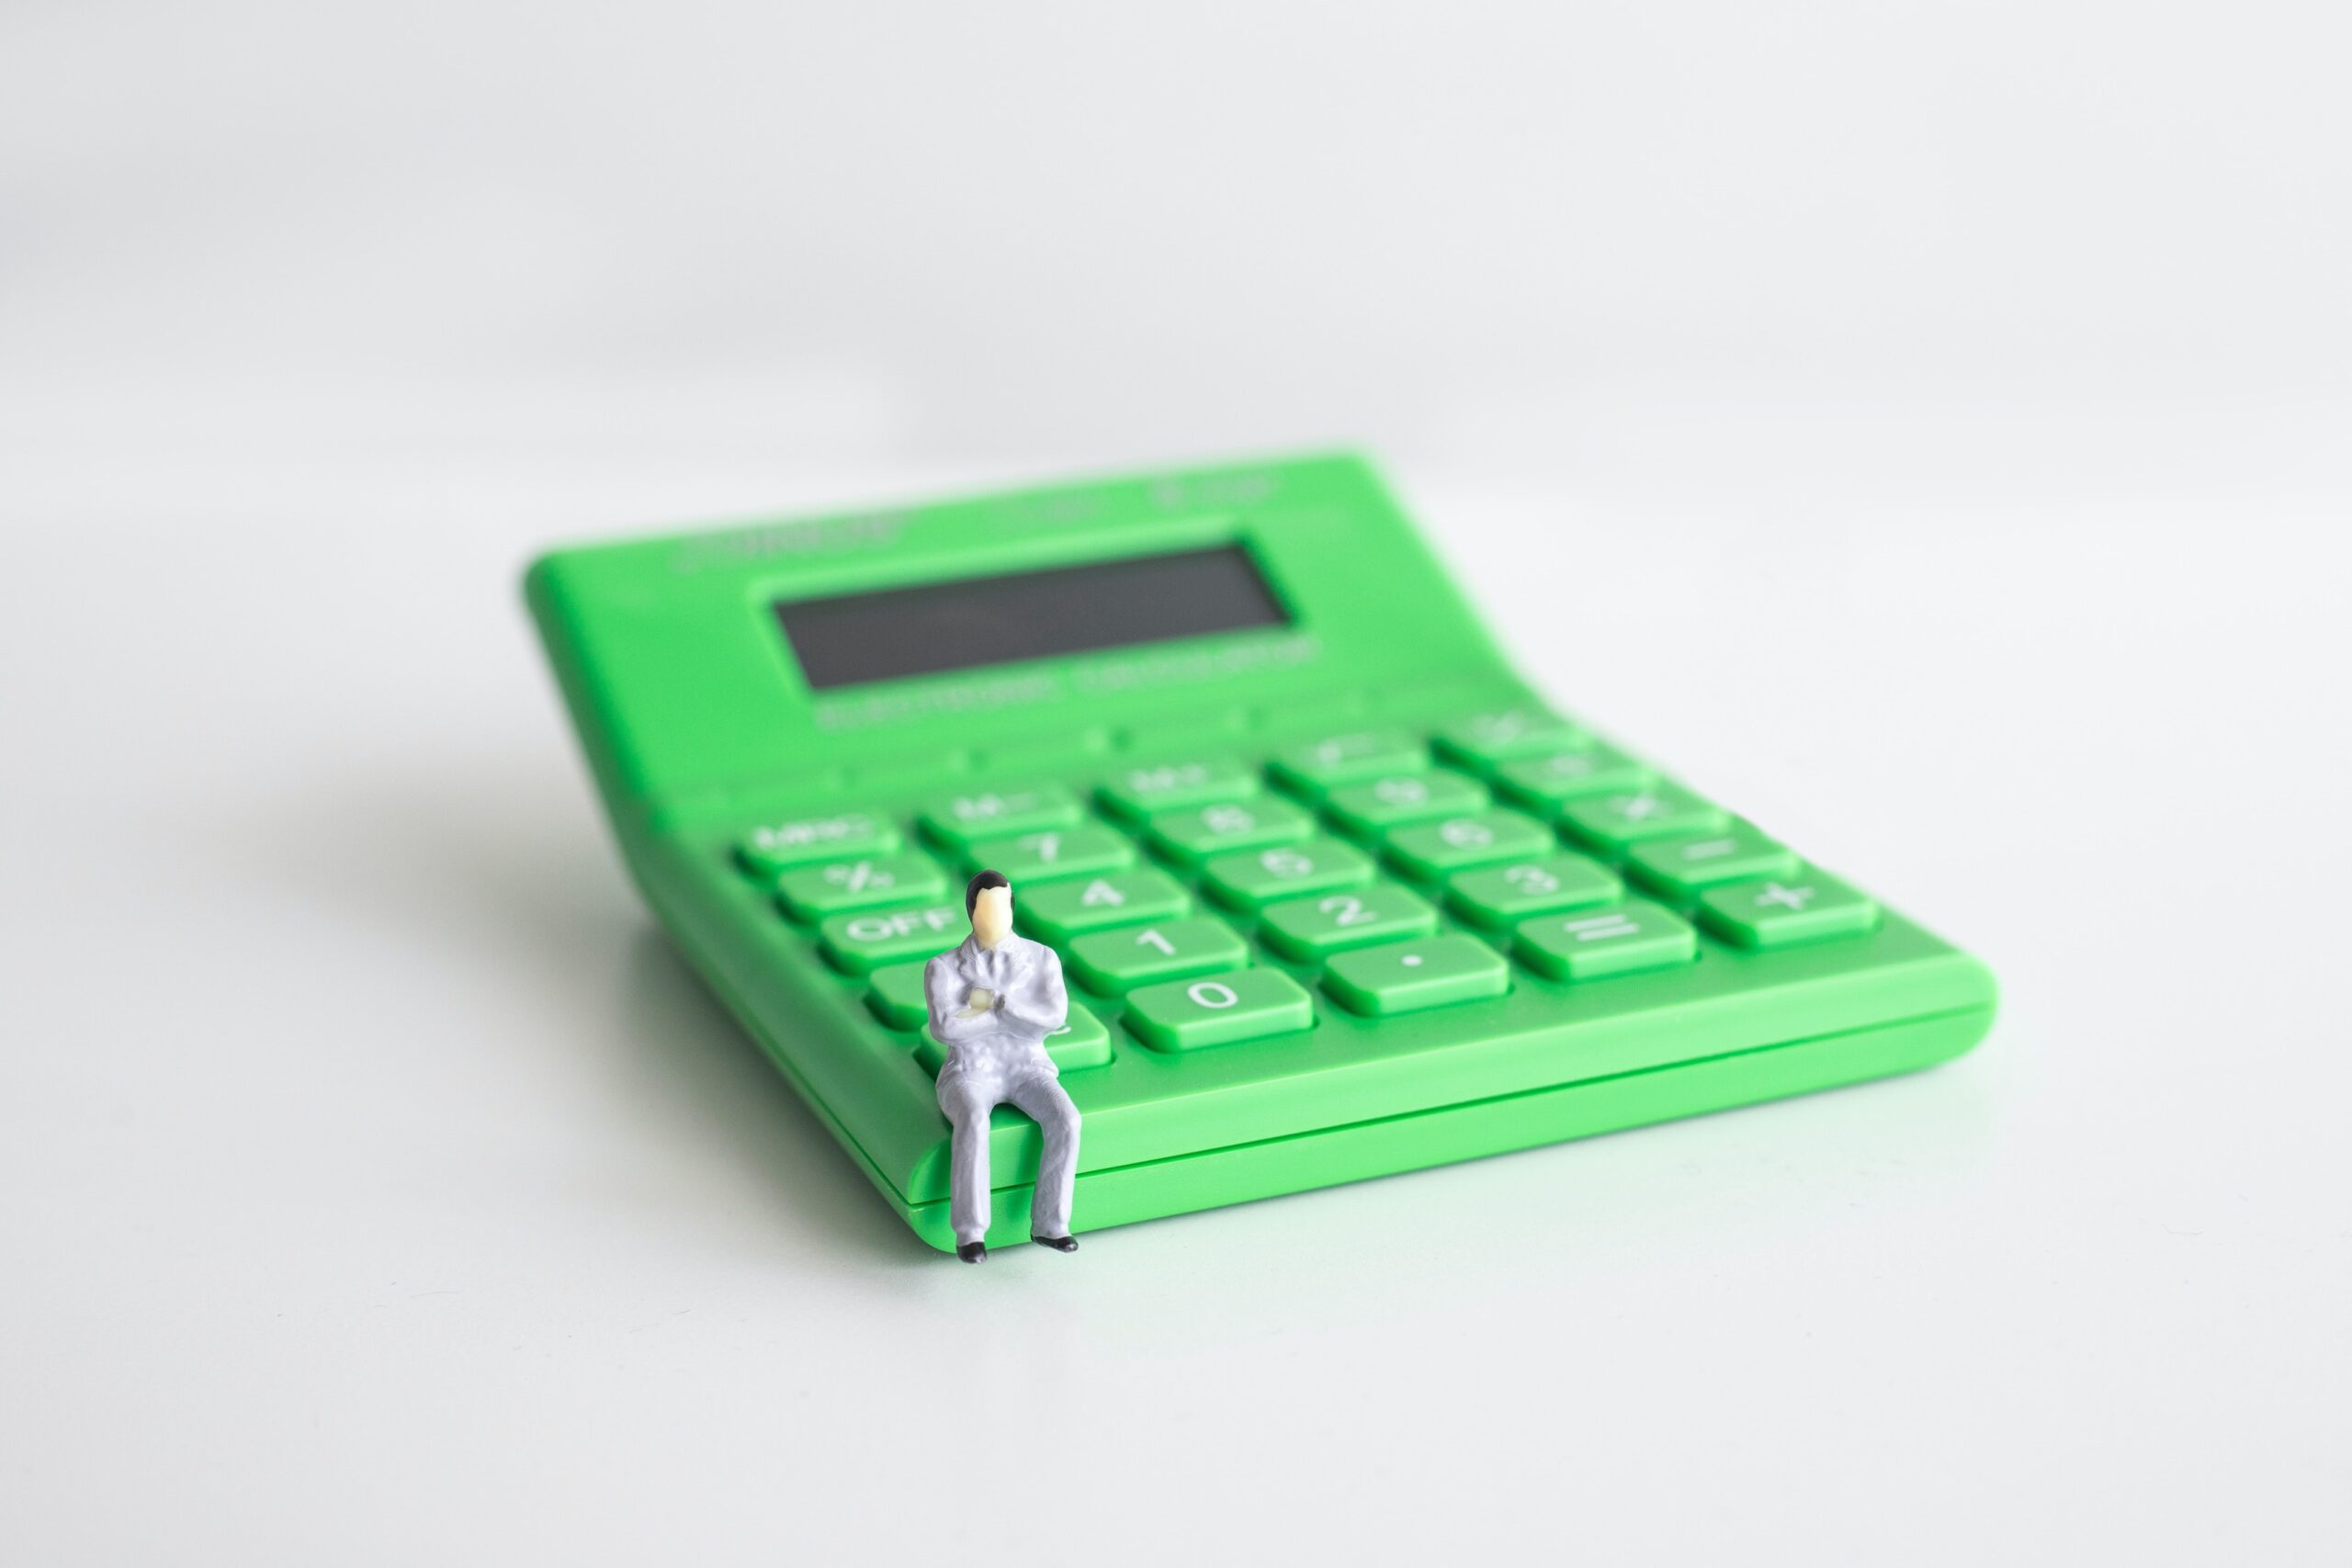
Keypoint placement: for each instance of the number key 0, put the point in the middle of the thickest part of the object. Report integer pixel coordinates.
(1244, 1005)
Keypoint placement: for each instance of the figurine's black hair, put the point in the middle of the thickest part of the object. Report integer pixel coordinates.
(979, 885)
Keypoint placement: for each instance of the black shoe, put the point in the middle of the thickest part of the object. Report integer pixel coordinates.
(977, 1251)
(1059, 1243)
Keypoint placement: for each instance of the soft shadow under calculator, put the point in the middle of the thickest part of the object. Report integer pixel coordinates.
(1337, 893)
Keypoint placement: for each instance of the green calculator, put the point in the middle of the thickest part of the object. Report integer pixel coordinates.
(1338, 894)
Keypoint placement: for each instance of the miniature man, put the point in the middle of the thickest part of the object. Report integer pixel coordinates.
(993, 1000)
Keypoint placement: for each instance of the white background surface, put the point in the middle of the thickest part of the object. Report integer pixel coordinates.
(1924, 426)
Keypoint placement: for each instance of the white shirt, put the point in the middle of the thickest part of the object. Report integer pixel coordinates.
(1026, 978)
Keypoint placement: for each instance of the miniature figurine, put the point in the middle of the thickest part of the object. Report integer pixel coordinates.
(993, 1000)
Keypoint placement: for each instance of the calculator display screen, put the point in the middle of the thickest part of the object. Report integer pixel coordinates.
(1029, 614)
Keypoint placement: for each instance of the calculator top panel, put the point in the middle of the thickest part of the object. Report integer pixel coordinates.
(848, 653)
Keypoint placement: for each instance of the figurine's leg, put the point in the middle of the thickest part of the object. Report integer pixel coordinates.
(967, 1107)
(1044, 1099)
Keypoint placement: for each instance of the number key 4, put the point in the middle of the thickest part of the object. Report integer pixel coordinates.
(1060, 910)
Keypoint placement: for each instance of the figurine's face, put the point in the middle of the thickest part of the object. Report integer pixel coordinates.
(992, 915)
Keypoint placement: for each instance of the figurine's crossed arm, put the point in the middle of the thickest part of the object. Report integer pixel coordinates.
(958, 1010)
(1040, 1001)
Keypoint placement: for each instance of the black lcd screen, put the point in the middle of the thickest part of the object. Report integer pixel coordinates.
(1028, 615)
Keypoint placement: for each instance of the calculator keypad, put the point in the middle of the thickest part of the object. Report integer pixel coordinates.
(1197, 910)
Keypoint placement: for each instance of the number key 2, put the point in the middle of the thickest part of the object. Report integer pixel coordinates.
(1311, 929)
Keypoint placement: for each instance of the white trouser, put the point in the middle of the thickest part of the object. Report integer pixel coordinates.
(979, 1076)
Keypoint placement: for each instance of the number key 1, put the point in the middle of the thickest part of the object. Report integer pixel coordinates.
(1109, 963)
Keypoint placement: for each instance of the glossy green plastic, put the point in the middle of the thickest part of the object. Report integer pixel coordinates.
(723, 775)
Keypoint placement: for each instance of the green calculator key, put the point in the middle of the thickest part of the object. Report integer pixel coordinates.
(815, 891)
(1050, 853)
(859, 942)
(1545, 782)
(1777, 911)
(1679, 866)
(1632, 936)
(1108, 962)
(1317, 767)
(1136, 793)
(1432, 850)
(1060, 910)
(1407, 976)
(1083, 1040)
(1485, 741)
(1310, 929)
(773, 846)
(1611, 823)
(1190, 1015)
(955, 820)
(1499, 895)
(1190, 836)
(1371, 808)
(1315, 855)
(894, 995)
(1243, 879)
